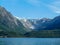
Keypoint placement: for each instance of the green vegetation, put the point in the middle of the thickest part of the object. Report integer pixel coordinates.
(33, 34)
(37, 34)
(44, 34)
(6, 32)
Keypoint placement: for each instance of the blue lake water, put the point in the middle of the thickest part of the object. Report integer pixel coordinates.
(29, 41)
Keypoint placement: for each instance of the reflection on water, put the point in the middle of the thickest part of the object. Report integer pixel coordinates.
(29, 41)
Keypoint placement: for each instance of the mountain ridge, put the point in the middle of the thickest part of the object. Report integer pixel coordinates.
(10, 26)
(42, 24)
(9, 23)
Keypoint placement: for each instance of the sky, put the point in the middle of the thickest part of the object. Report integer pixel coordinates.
(32, 8)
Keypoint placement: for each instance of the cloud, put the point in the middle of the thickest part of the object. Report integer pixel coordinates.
(9, 1)
(33, 2)
(55, 7)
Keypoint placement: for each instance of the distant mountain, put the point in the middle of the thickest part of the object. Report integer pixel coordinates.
(27, 24)
(54, 23)
(35, 24)
(42, 24)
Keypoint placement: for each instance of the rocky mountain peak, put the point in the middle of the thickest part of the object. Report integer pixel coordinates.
(9, 22)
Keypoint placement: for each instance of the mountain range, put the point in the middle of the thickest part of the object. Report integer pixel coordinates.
(42, 24)
(11, 26)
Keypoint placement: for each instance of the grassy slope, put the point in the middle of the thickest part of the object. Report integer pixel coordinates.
(44, 34)
(4, 32)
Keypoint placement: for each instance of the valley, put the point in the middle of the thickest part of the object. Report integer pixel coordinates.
(11, 26)
(44, 34)
(32, 34)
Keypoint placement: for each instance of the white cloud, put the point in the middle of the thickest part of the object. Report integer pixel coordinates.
(55, 7)
(56, 3)
(33, 2)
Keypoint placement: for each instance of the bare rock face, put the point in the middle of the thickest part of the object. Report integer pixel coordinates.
(42, 24)
(35, 24)
(10, 23)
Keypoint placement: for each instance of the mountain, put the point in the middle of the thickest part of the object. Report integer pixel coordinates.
(42, 24)
(9, 23)
(11, 26)
(47, 28)
(35, 24)
(54, 23)
(27, 24)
